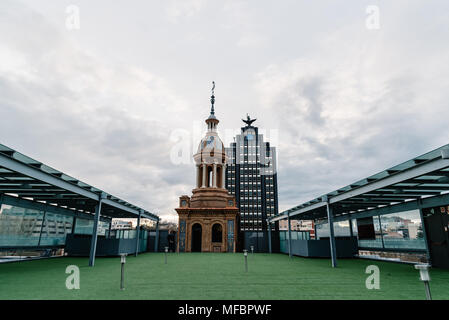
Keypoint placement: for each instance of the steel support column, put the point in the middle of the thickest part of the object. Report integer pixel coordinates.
(269, 236)
(381, 232)
(156, 240)
(424, 232)
(93, 243)
(73, 225)
(351, 232)
(42, 228)
(110, 228)
(289, 237)
(330, 220)
(138, 233)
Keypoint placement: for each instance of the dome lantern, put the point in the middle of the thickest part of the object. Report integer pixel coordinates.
(211, 156)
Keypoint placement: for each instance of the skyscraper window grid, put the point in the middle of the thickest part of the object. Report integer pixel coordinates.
(251, 177)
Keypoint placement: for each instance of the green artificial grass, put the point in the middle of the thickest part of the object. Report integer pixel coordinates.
(216, 276)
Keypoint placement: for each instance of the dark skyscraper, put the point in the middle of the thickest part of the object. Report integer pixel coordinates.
(251, 177)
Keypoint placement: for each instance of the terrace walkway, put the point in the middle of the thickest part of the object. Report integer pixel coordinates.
(216, 276)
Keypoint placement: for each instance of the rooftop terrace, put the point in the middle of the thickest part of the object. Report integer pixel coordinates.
(216, 276)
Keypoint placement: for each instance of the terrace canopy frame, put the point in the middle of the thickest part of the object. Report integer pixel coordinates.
(421, 182)
(26, 178)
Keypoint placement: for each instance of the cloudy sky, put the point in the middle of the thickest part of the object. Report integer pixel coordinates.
(341, 93)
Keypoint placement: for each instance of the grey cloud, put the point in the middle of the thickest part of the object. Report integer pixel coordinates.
(100, 103)
(47, 112)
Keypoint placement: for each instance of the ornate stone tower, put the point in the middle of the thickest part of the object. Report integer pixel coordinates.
(208, 219)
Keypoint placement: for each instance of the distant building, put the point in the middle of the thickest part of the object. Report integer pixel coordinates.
(251, 177)
(121, 225)
(167, 225)
(299, 225)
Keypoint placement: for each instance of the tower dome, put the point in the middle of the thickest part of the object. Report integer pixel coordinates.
(211, 148)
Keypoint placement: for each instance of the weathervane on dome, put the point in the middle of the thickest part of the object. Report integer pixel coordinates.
(249, 121)
(212, 98)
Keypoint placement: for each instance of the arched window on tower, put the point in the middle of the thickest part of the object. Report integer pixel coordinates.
(217, 233)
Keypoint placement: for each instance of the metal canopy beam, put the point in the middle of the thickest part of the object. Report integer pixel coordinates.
(32, 179)
(39, 175)
(120, 206)
(383, 197)
(40, 193)
(417, 171)
(401, 194)
(405, 206)
(370, 203)
(419, 188)
(375, 186)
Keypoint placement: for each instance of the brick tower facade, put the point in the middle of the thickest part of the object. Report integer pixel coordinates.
(208, 220)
